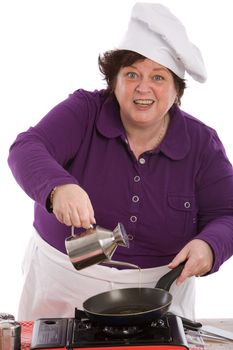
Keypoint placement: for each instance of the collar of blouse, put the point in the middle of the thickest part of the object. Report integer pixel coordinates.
(176, 143)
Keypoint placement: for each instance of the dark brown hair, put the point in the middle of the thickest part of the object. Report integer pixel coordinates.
(111, 62)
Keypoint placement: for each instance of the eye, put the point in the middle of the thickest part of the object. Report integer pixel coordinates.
(132, 75)
(157, 77)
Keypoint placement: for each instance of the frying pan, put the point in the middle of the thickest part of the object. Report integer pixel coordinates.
(132, 306)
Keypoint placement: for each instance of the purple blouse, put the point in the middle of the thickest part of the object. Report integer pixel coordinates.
(180, 191)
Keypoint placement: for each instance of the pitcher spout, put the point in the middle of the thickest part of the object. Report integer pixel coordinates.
(121, 236)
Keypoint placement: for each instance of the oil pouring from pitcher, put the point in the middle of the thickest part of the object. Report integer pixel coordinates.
(96, 245)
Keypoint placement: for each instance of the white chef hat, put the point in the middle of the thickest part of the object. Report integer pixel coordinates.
(155, 33)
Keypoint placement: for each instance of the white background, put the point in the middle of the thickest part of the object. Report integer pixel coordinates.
(49, 48)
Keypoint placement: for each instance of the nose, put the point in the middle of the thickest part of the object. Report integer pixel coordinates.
(143, 86)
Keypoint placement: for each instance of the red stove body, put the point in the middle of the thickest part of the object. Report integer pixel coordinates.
(79, 332)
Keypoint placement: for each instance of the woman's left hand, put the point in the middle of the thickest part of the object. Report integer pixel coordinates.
(199, 256)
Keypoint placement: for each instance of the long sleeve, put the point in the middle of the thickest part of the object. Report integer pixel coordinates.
(215, 197)
(40, 156)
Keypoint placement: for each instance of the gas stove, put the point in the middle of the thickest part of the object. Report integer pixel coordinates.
(166, 333)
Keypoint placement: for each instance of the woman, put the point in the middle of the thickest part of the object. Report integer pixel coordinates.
(127, 154)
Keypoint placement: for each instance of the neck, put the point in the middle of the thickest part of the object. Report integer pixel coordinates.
(145, 140)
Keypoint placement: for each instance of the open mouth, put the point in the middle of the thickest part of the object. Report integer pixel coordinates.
(144, 102)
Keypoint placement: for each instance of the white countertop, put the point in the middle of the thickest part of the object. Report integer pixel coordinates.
(226, 324)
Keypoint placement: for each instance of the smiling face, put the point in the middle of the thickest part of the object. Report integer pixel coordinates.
(145, 92)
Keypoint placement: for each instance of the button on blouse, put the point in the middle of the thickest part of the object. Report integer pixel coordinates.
(133, 218)
(135, 199)
(137, 178)
(142, 161)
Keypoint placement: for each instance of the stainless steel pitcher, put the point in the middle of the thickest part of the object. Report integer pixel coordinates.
(96, 245)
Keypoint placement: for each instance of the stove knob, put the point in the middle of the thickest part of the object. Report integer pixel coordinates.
(84, 325)
(161, 323)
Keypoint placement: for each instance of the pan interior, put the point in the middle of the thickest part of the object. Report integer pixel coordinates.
(127, 309)
(128, 301)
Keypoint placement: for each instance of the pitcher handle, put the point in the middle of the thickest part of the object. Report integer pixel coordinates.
(72, 230)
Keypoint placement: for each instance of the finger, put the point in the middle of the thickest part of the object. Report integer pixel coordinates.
(58, 216)
(178, 259)
(65, 219)
(74, 217)
(86, 223)
(190, 269)
(186, 273)
(85, 220)
(86, 214)
(91, 212)
(78, 217)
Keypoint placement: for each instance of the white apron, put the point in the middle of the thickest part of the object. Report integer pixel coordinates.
(53, 288)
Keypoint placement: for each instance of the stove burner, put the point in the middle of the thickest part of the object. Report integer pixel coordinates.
(122, 332)
(130, 331)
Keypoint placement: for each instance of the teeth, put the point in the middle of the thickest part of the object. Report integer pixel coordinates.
(144, 102)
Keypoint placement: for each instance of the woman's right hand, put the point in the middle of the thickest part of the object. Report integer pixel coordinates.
(72, 206)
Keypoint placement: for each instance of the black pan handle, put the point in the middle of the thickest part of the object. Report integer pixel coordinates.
(166, 281)
(189, 324)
